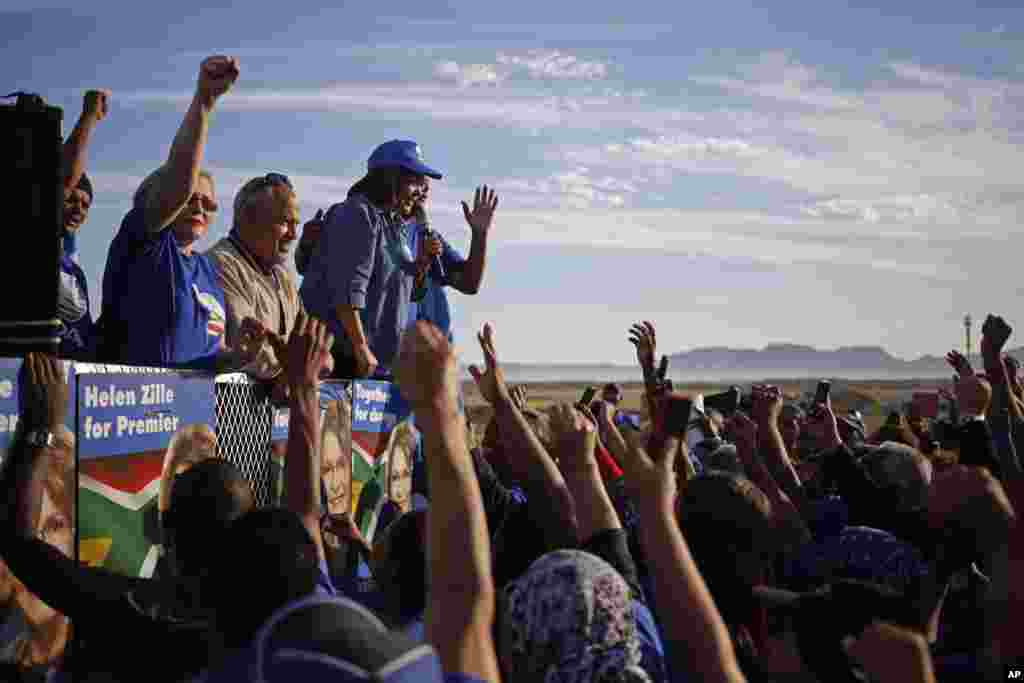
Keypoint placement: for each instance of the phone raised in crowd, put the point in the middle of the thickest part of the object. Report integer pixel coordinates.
(675, 410)
(726, 402)
(588, 396)
(824, 388)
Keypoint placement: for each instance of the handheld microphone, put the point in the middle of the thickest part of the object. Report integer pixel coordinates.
(436, 266)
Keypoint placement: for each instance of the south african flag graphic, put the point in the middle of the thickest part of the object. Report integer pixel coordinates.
(118, 516)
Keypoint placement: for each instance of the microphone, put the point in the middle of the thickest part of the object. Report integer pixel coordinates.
(436, 266)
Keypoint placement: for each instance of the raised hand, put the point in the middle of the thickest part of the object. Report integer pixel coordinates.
(492, 380)
(216, 76)
(43, 391)
(892, 653)
(251, 337)
(519, 398)
(429, 248)
(426, 370)
(575, 437)
(642, 336)
(973, 395)
(959, 363)
(766, 404)
(94, 105)
(742, 431)
(994, 334)
(484, 203)
(821, 424)
(308, 343)
(650, 471)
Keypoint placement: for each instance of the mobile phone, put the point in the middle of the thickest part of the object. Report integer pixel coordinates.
(726, 402)
(663, 369)
(674, 415)
(824, 388)
(588, 396)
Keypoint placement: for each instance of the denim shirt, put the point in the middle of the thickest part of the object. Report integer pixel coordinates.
(364, 261)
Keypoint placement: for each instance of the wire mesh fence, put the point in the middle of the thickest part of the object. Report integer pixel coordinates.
(244, 422)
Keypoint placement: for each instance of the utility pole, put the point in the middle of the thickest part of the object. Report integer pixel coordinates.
(967, 339)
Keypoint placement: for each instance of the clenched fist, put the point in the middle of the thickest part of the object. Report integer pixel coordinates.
(216, 76)
(94, 105)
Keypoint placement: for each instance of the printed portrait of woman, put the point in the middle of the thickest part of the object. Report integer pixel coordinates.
(32, 634)
(190, 445)
(336, 457)
(401, 449)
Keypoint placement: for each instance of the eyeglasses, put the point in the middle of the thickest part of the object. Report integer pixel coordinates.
(209, 206)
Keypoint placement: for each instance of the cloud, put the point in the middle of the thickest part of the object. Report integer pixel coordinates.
(468, 74)
(554, 64)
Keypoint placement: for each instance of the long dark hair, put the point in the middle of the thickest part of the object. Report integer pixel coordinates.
(380, 185)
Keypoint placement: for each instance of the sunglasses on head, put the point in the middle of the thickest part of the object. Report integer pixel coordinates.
(268, 180)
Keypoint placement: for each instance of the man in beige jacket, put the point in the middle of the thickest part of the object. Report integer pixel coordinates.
(250, 266)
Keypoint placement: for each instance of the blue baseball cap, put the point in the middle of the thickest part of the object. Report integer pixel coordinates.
(404, 153)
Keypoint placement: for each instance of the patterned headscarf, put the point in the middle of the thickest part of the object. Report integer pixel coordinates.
(569, 619)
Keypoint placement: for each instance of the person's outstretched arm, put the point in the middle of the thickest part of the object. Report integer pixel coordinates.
(94, 109)
(547, 495)
(461, 603)
(697, 640)
(468, 278)
(180, 174)
(308, 344)
(767, 405)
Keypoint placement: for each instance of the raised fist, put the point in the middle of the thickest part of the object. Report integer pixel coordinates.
(95, 104)
(994, 333)
(216, 76)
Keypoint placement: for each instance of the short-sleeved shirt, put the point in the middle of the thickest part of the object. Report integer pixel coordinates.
(160, 307)
(76, 336)
(363, 260)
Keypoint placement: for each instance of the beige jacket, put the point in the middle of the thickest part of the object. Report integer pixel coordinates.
(249, 291)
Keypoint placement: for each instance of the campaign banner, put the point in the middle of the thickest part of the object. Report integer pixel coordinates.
(135, 431)
(383, 447)
(28, 625)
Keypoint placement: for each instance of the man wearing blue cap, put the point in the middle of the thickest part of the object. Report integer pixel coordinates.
(361, 277)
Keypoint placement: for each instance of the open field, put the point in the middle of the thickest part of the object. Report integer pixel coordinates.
(870, 397)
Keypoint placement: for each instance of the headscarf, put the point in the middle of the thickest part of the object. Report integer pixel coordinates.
(570, 619)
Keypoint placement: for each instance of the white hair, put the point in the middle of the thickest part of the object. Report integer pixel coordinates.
(141, 196)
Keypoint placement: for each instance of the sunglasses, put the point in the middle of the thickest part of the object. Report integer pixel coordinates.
(269, 179)
(209, 206)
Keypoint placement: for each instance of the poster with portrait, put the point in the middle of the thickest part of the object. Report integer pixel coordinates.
(31, 633)
(136, 429)
(383, 443)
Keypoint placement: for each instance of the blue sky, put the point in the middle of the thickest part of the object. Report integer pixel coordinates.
(741, 175)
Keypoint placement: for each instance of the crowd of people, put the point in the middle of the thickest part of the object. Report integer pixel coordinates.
(772, 542)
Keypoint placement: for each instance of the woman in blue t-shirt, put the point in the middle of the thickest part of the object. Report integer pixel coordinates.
(162, 302)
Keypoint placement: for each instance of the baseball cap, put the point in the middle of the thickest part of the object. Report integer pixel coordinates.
(404, 153)
(323, 638)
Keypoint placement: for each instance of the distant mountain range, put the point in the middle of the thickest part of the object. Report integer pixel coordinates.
(776, 357)
(779, 359)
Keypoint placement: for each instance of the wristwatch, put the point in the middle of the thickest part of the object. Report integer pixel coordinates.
(40, 438)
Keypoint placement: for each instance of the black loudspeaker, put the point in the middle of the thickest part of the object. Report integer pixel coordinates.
(31, 153)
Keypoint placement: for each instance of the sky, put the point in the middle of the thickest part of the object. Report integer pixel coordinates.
(814, 173)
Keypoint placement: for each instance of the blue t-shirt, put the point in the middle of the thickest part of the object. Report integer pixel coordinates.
(434, 307)
(362, 260)
(160, 307)
(76, 336)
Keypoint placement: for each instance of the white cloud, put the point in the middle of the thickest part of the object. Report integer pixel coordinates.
(554, 64)
(467, 74)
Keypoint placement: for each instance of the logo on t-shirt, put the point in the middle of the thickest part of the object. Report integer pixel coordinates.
(215, 324)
